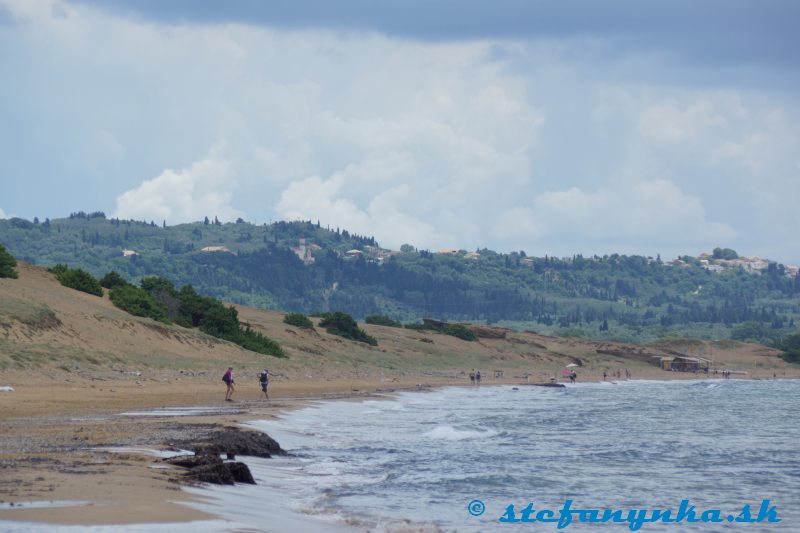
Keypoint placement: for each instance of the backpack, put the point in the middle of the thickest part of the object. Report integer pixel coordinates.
(225, 378)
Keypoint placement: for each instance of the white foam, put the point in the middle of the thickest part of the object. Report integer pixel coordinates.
(451, 433)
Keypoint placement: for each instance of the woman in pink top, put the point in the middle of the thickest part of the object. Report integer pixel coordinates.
(228, 379)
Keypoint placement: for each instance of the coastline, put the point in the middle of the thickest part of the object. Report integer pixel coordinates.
(55, 442)
(80, 442)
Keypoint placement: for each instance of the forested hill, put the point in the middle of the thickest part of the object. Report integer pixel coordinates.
(301, 266)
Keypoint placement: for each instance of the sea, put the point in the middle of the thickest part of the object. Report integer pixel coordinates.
(472, 459)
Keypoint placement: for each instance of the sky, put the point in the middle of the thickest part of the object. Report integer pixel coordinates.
(557, 127)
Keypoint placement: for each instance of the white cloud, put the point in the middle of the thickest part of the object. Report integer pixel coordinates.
(652, 211)
(313, 199)
(462, 144)
(203, 189)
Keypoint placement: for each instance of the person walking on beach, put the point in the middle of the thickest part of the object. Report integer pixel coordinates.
(573, 376)
(477, 377)
(472, 377)
(228, 379)
(264, 379)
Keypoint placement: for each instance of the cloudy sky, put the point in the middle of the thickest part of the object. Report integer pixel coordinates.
(552, 126)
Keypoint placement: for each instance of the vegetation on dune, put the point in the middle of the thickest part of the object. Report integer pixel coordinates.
(76, 278)
(382, 320)
(454, 330)
(137, 302)
(298, 320)
(791, 348)
(343, 325)
(112, 280)
(7, 264)
(158, 299)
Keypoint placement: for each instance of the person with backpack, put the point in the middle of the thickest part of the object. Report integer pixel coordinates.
(228, 379)
(264, 379)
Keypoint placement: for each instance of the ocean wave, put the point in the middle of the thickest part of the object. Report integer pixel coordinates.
(451, 433)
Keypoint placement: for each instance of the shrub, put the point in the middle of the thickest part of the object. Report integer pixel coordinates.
(454, 330)
(191, 310)
(383, 320)
(791, 348)
(298, 320)
(137, 302)
(112, 280)
(343, 325)
(460, 331)
(77, 278)
(7, 264)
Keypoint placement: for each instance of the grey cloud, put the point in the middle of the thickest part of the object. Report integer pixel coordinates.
(703, 31)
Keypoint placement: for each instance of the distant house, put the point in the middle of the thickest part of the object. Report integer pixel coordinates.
(129, 253)
(447, 251)
(472, 255)
(216, 249)
(353, 253)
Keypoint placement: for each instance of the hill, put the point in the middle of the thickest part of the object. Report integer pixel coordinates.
(51, 333)
(301, 266)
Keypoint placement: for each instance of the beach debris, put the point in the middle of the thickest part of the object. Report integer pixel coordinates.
(6, 388)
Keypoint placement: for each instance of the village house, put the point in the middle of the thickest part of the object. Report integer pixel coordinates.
(216, 249)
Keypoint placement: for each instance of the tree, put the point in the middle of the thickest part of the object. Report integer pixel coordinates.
(7, 264)
(112, 280)
(206, 221)
(791, 348)
(407, 249)
(724, 253)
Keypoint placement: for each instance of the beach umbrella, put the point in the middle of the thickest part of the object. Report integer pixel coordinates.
(571, 365)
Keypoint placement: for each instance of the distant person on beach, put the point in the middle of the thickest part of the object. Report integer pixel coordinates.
(604, 375)
(472, 377)
(263, 378)
(573, 376)
(228, 379)
(477, 377)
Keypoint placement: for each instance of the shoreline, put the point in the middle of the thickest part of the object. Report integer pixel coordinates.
(57, 457)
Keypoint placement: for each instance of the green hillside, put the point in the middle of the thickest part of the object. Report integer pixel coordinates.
(629, 298)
